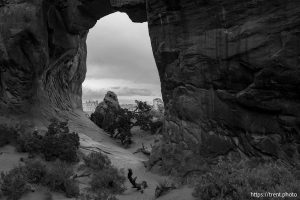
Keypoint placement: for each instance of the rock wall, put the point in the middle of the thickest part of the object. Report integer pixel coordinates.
(230, 80)
(43, 53)
(229, 71)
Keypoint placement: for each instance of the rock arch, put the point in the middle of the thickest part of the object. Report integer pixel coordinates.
(229, 71)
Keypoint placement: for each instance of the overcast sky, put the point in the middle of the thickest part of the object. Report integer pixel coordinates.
(120, 59)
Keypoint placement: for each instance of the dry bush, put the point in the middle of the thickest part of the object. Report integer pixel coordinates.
(13, 184)
(35, 171)
(110, 180)
(236, 182)
(30, 142)
(59, 178)
(60, 143)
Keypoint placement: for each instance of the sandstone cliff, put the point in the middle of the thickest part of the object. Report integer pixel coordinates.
(230, 80)
(229, 71)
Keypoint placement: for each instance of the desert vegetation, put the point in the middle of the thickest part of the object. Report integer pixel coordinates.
(236, 181)
(57, 143)
(56, 176)
(142, 116)
(106, 180)
(52, 164)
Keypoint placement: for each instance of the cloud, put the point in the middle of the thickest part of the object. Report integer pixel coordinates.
(89, 94)
(121, 92)
(125, 91)
(119, 48)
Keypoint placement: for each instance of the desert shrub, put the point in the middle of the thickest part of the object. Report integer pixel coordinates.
(124, 120)
(228, 181)
(7, 135)
(97, 161)
(51, 147)
(106, 181)
(30, 142)
(143, 115)
(59, 143)
(58, 175)
(59, 178)
(142, 106)
(120, 128)
(57, 127)
(13, 184)
(110, 180)
(143, 120)
(17, 181)
(35, 171)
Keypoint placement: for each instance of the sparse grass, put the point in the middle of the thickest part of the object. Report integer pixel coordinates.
(236, 182)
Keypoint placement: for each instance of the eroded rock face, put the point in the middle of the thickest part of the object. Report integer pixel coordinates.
(230, 80)
(229, 71)
(106, 112)
(43, 53)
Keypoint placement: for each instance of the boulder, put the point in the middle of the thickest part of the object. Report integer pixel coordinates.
(106, 112)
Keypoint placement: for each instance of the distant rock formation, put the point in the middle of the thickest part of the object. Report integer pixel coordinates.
(229, 71)
(106, 112)
(158, 109)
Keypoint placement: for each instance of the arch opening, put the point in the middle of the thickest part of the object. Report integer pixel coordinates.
(120, 59)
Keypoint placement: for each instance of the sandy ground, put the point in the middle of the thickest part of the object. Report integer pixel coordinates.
(9, 158)
(93, 138)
